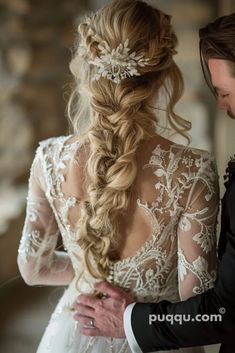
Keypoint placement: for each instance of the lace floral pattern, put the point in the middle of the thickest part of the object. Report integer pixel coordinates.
(180, 201)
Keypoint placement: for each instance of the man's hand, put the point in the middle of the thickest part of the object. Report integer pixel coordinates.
(105, 314)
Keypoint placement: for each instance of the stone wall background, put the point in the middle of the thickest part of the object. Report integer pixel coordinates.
(36, 38)
(35, 42)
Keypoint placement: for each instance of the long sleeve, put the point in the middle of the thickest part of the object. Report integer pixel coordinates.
(38, 260)
(218, 304)
(197, 233)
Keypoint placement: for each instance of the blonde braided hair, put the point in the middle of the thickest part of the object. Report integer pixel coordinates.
(113, 120)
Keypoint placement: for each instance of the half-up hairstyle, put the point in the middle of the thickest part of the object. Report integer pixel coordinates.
(217, 41)
(113, 120)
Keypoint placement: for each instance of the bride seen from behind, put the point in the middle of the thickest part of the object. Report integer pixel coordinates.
(132, 207)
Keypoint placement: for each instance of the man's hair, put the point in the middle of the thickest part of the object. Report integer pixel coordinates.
(217, 41)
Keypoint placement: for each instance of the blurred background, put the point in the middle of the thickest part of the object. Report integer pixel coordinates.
(36, 38)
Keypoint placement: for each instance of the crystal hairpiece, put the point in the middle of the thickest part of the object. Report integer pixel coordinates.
(117, 64)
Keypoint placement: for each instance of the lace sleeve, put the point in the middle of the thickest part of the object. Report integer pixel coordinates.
(38, 261)
(197, 232)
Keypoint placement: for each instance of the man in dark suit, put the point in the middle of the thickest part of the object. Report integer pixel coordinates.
(144, 331)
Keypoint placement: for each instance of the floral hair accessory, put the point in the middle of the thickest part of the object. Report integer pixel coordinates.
(117, 64)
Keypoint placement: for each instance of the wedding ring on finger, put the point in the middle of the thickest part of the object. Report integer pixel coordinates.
(91, 324)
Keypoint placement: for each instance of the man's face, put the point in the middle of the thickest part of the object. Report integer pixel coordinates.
(224, 84)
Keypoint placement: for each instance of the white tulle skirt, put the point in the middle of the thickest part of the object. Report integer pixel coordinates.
(63, 335)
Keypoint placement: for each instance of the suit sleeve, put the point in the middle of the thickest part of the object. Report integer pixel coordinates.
(212, 312)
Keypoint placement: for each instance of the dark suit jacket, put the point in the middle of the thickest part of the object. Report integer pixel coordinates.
(164, 335)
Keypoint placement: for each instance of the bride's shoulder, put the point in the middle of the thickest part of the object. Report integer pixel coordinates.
(188, 150)
(196, 161)
(186, 154)
(194, 152)
(54, 140)
(48, 146)
(55, 143)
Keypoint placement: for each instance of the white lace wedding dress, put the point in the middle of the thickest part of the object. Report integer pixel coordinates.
(176, 194)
